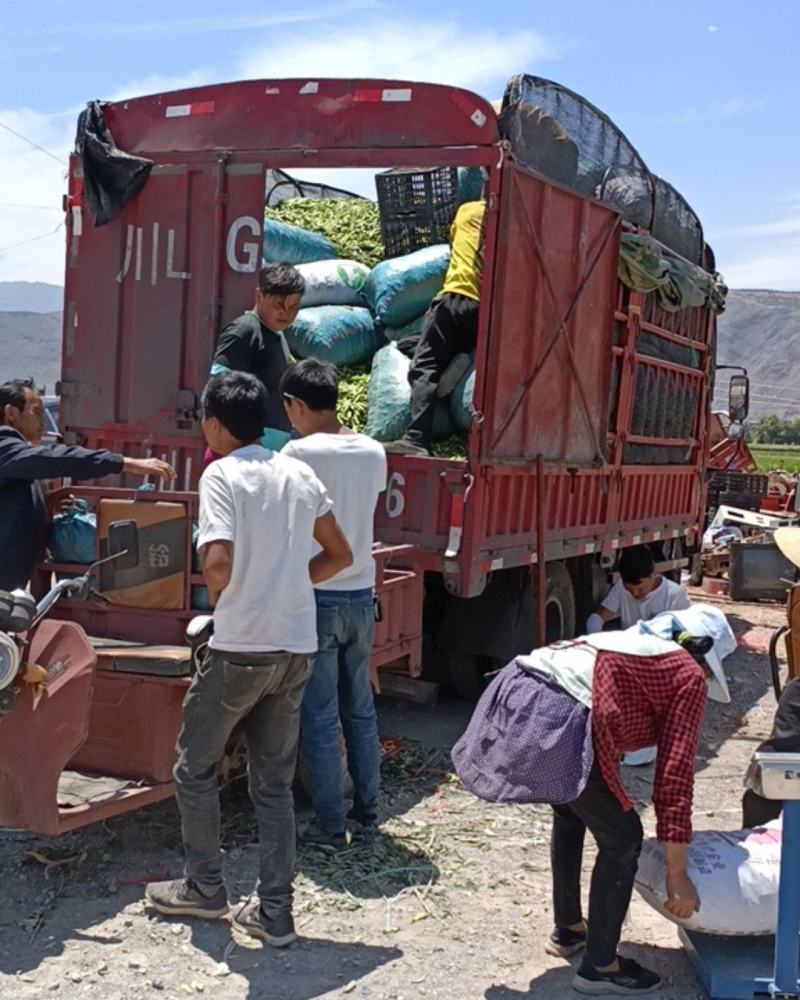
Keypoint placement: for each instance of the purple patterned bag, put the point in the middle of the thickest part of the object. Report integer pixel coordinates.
(528, 741)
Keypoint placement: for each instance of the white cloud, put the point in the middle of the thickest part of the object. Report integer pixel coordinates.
(763, 254)
(763, 267)
(160, 83)
(713, 28)
(398, 49)
(733, 107)
(214, 24)
(379, 45)
(33, 185)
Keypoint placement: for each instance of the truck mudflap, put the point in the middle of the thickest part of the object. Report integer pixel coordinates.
(43, 733)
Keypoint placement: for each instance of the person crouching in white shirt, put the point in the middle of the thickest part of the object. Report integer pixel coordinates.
(638, 595)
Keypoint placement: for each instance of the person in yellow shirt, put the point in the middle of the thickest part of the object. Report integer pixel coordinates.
(449, 332)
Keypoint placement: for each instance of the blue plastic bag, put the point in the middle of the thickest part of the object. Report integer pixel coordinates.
(401, 289)
(343, 335)
(73, 536)
(200, 600)
(470, 184)
(389, 399)
(284, 243)
(461, 399)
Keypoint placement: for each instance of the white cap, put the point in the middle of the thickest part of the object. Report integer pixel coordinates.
(700, 620)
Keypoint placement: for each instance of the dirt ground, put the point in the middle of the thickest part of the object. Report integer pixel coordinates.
(451, 901)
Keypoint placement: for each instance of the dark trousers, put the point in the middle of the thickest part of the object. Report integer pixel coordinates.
(263, 691)
(618, 835)
(784, 738)
(451, 327)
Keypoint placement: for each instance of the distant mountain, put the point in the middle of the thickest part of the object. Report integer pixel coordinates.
(30, 347)
(30, 296)
(761, 331)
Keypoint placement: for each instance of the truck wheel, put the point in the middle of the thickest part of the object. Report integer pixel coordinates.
(559, 604)
(468, 673)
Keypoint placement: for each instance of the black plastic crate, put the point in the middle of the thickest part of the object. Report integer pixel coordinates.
(416, 207)
(737, 489)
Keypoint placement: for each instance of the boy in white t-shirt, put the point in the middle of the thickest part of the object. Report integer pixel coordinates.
(353, 470)
(640, 593)
(260, 515)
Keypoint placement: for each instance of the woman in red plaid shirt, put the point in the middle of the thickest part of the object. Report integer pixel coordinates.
(552, 728)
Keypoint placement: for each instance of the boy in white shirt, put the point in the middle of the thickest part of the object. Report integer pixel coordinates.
(260, 515)
(353, 470)
(640, 593)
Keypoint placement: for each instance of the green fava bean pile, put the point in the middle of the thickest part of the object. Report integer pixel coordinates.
(351, 224)
(353, 387)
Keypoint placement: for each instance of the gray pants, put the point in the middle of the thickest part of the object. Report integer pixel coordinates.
(264, 692)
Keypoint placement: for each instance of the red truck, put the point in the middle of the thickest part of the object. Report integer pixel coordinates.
(574, 450)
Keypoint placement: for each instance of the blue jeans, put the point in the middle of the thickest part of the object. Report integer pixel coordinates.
(339, 687)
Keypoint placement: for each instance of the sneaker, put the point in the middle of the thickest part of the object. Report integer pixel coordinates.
(182, 897)
(564, 942)
(314, 836)
(631, 980)
(366, 823)
(404, 447)
(640, 758)
(277, 931)
(453, 374)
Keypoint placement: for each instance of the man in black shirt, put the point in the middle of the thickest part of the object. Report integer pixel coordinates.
(254, 342)
(23, 461)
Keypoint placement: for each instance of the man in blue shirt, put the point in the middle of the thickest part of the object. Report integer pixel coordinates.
(23, 461)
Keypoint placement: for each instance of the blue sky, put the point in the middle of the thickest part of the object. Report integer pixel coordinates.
(709, 92)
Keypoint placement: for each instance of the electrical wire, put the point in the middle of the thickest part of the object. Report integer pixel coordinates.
(33, 239)
(35, 145)
(17, 204)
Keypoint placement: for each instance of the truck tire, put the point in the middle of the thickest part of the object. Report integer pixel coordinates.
(559, 604)
(467, 672)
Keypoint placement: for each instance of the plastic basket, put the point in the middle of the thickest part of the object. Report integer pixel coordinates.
(416, 207)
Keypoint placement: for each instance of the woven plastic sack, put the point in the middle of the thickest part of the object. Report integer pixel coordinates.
(333, 283)
(73, 535)
(460, 399)
(736, 875)
(292, 245)
(343, 335)
(401, 289)
(412, 329)
(389, 399)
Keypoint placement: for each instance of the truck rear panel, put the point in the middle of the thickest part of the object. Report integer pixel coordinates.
(565, 391)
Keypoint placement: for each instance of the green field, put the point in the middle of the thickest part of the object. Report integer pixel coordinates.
(776, 456)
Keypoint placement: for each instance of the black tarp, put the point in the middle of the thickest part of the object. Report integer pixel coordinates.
(551, 128)
(111, 177)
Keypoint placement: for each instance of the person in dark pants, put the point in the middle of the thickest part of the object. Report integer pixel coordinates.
(450, 330)
(784, 738)
(254, 343)
(553, 726)
(260, 514)
(785, 735)
(24, 461)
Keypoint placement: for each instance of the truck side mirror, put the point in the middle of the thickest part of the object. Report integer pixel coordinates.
(738, 398)
(123, 544)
